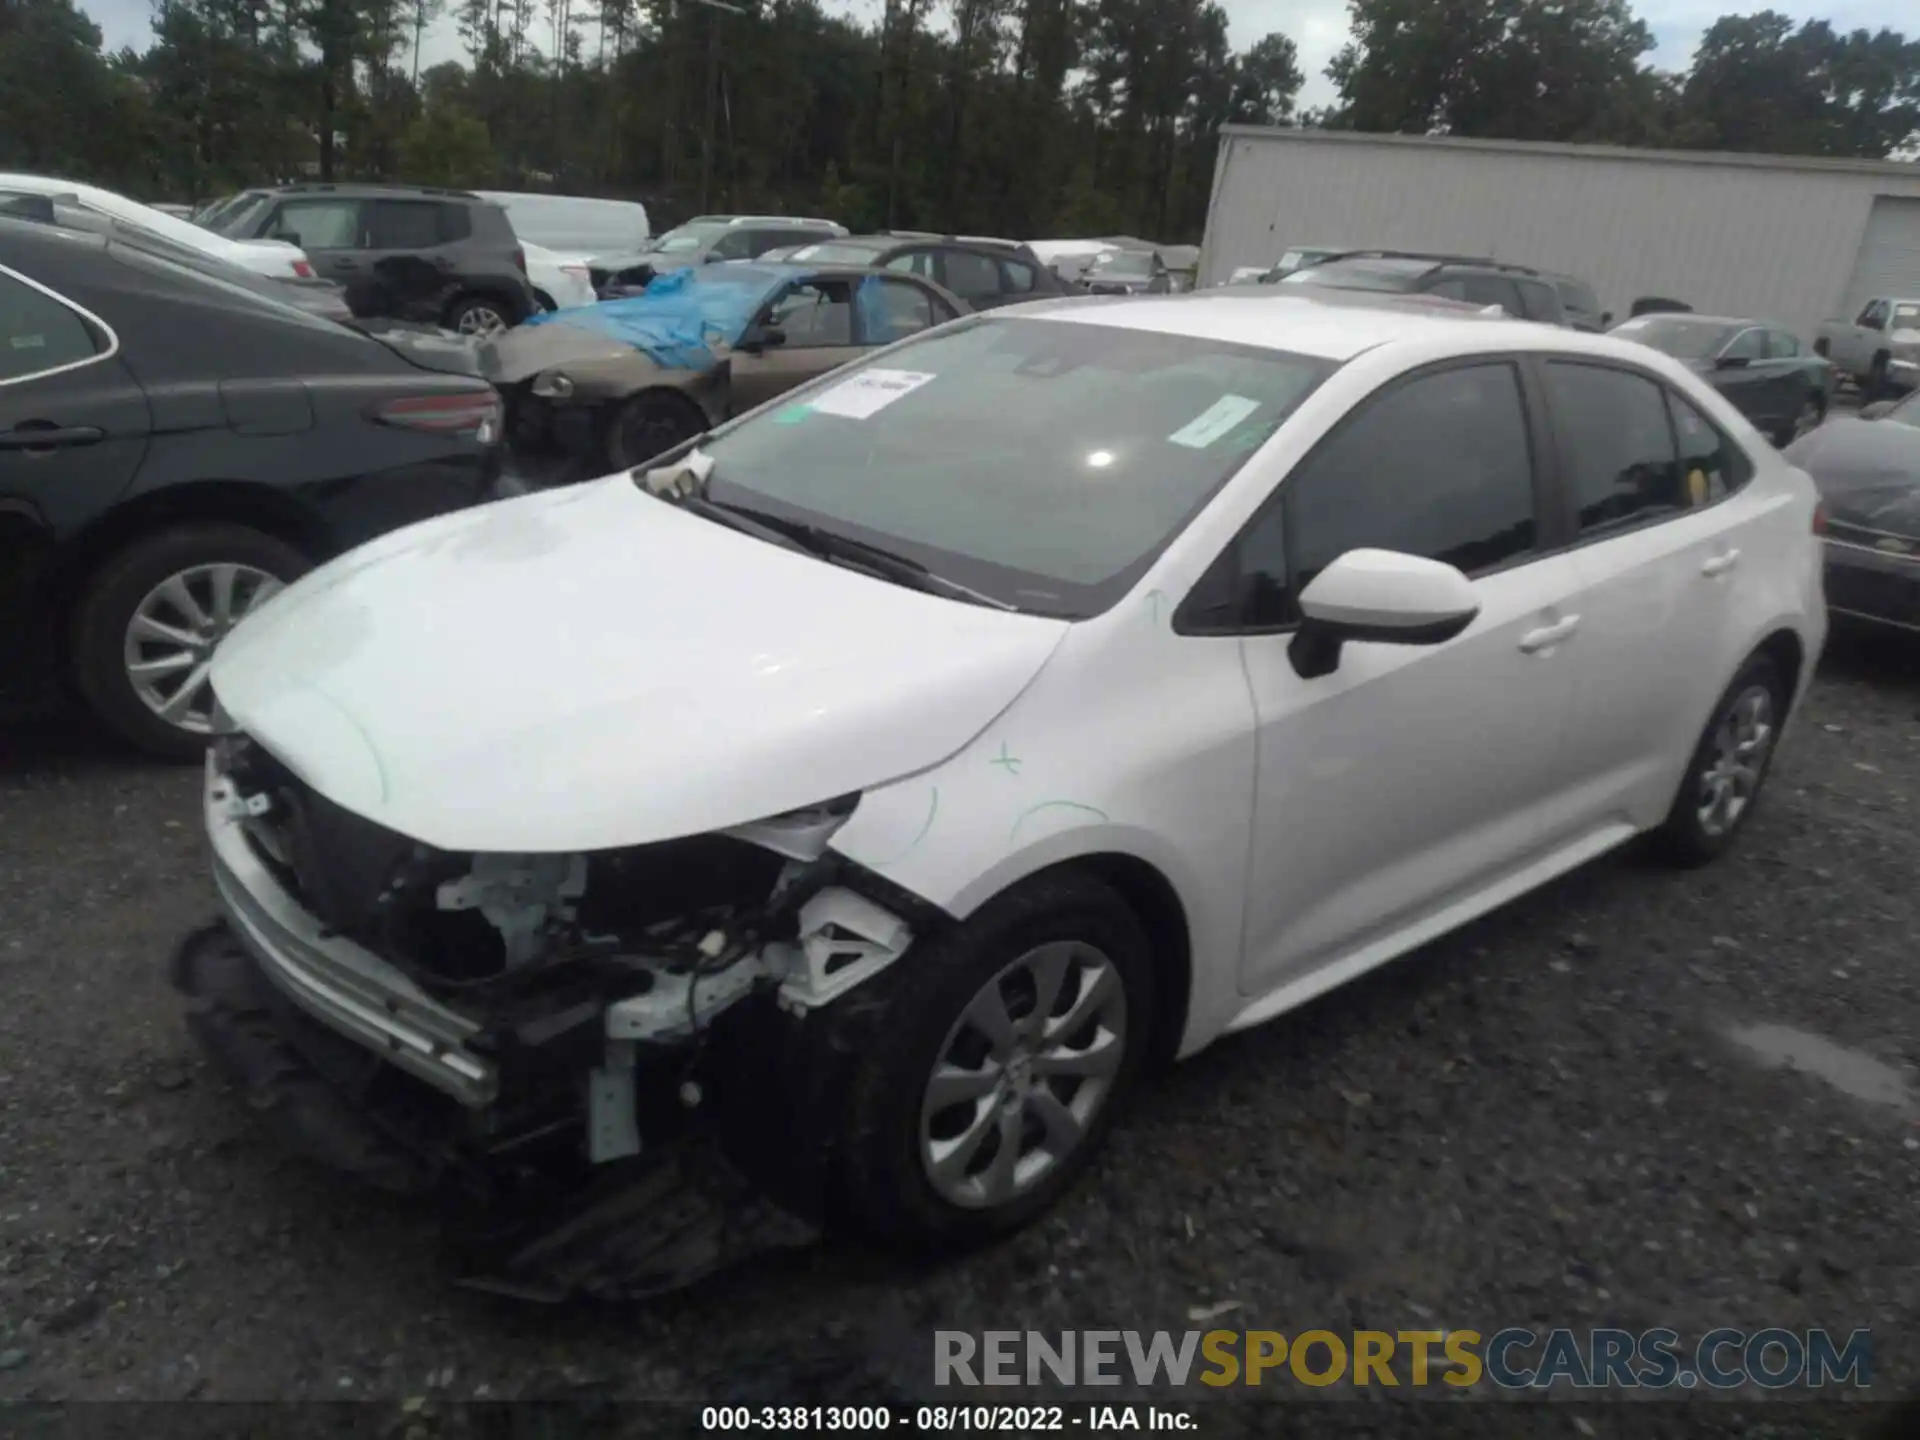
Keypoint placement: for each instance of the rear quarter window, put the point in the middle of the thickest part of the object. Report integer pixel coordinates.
(39, 334)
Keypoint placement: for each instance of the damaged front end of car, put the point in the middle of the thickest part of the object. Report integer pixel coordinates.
(618, 1069)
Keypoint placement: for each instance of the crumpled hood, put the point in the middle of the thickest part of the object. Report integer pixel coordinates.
(592, 667)
(526, 350)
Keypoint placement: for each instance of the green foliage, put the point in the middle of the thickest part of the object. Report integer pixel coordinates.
(447, 146)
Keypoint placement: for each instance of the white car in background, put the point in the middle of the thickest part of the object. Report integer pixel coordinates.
(1058, 688)
(560, 282)
(275, 259)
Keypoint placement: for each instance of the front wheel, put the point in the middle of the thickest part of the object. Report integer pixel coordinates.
(1728, 768)
(649, 425)
(1002, 1059)
(146, 628)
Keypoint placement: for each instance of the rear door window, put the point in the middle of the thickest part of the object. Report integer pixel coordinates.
(1749, 345)
(39, 334)
(1616, 446)
(736, 244)
(403, 225)
(1713, 465)
(1782, 346)
(915, 262)
(974, 278)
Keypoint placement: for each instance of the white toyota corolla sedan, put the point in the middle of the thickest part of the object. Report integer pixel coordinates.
(878, 781)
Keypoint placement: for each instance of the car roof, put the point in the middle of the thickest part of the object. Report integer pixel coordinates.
(1689, 317)
(1326, 323)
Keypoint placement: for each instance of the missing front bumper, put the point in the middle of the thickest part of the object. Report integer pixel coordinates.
(643, 1227)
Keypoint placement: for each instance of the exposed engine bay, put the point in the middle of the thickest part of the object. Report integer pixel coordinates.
(544, 1032)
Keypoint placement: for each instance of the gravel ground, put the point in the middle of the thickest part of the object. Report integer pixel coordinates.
(1537, 1121)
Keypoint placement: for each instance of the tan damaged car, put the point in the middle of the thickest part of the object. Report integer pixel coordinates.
(608, 386)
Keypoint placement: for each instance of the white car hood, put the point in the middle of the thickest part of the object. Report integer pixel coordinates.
(274, 258)
(591, 667)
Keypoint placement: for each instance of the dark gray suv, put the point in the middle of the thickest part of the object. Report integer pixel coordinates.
(402, 252)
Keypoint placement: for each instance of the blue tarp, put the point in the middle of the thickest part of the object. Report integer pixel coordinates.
(681, 315)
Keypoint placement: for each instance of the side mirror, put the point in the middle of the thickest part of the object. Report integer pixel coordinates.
(1606, 318)
(1731, 362)
(1877, 409)
(764, 337)
(1383, 597)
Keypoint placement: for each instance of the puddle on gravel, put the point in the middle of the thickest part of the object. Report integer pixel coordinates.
(1852, 1072)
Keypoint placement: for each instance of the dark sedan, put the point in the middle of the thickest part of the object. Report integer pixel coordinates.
(177, 445)
(1868, 471)
(1775, 381)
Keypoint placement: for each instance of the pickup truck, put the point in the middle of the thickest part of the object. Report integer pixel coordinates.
(1880, 350)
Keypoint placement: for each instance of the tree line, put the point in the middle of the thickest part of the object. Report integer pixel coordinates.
(1020, 117)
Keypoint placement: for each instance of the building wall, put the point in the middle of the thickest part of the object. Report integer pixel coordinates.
(1734, 235)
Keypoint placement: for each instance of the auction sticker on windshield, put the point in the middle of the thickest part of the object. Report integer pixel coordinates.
(869, 392)
(1213, 422)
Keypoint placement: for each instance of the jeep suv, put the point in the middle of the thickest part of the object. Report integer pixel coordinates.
(402, 252)
(701, 241)
(1522, 292)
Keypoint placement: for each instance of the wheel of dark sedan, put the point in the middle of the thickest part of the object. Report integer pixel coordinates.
(477, 315)
(999, 1068)
(648, 425)
(147, 625)
(1728, 768)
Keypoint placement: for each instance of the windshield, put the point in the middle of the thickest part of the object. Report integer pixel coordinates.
(1041, 463)
(1124, 262)
(683, 238)
(240, 217)
(1339, 275)
(1682, 339)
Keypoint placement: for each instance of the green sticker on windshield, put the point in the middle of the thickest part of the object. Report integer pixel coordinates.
(792, 414)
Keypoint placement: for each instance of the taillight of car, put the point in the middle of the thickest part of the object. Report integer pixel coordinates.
(303, 269)
(475, 417)
(1820, 517)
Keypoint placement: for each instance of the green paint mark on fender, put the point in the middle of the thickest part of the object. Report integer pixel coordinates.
(1033, 810)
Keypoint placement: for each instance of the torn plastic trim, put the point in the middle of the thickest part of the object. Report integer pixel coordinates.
(339, 983)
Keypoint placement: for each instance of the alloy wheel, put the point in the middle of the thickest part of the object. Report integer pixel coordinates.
(1737, 761)
(173, 633)
(1022, 1074)
(480, 320)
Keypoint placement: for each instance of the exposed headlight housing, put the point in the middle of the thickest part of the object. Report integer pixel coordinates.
(552, 386)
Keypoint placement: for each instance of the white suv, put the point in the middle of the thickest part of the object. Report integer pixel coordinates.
(891, 773)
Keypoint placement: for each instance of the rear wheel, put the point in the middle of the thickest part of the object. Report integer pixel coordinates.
(479, 315)
(648, 425)
(1728, 767)
(150, 620)
(1876, 386)
(999, 1068)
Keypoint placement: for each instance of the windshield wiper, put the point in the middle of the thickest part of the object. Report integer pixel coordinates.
(830, 544)
(684, 483)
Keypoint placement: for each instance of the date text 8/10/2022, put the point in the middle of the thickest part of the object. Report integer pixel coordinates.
(942, 1419)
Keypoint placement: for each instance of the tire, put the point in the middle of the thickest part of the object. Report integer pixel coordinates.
(102, 647)
(650, 424)
(480, 315)
(1876, 383)
(545, 301)
(1687, 838)
(883, 1187)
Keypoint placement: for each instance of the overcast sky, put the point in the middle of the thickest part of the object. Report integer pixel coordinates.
(1318, 27)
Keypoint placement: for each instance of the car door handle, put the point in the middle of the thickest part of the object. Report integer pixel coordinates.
(1720, 564)
(38, 435)
(1549, 635)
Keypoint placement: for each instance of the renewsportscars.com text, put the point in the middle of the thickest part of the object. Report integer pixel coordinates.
(1511, 1359)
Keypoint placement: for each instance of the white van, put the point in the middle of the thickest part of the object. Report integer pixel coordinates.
(574, 224)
